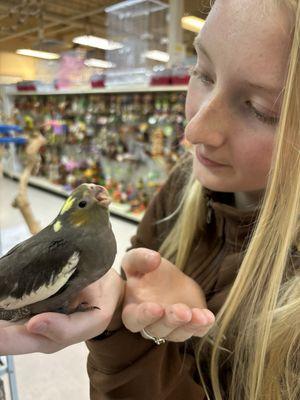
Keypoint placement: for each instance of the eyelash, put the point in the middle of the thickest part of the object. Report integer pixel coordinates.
(204, 78)
(200, 75)
(266, 119)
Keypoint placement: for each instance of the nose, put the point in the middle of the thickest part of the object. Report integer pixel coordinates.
(208, 123)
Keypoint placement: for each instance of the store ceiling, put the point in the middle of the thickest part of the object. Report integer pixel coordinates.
(52, 24)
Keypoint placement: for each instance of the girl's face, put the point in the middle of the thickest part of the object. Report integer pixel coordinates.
(235, 93)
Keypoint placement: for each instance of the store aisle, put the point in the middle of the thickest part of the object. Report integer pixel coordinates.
(61, 375)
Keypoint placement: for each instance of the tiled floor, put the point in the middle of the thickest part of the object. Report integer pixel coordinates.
(61, 375)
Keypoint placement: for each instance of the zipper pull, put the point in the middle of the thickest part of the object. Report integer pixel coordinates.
(209, 211)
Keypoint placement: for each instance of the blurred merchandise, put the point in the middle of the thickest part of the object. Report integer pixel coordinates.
(71, 70)
(97, 81)
(180, 75)
(127, 77)
(161, 76)
(26, 85)
(127, 142)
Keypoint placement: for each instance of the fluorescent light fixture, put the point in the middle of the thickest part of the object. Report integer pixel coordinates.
(38, 54)
(95, 62)
(192, 23)
(130, 5)
(99, 43)
(157, 55)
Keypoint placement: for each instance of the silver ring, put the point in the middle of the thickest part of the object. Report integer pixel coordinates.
(156, 340)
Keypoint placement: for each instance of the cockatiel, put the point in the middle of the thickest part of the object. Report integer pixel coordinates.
(46, 271)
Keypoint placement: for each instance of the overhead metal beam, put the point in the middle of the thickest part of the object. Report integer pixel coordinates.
(74, 18)
(55, 31)
(63, 21)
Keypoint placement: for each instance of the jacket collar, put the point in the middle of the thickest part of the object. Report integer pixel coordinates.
(233, 224)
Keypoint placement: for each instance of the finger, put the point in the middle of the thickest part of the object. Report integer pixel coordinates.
(138, 262)
(70, 329)
(201, 322)
(176, 315)
(203, 330)
(136, 317)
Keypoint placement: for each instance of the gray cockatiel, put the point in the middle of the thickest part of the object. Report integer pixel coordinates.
(46, 271)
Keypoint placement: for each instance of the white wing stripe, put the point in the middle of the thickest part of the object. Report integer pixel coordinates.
(44, 291)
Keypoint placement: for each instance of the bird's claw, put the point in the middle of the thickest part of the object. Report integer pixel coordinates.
(85, 307)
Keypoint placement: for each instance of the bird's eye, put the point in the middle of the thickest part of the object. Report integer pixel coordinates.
(82, 204)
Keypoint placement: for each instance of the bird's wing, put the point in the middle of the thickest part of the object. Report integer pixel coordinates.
(35, 270)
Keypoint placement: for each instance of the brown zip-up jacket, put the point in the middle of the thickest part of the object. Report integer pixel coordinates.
(127, 366)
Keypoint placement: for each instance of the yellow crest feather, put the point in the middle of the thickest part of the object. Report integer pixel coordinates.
(68, 204)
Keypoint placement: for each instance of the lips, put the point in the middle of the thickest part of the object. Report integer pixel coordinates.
(207, 161)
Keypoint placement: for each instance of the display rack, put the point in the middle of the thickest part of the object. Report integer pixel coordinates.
(42, 183)
(11, 91)
(128, 137)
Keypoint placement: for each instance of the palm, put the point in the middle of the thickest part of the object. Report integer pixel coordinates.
(162, 298)
(165, 285)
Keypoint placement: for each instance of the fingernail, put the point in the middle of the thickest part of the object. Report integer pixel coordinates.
(40, 328)
(210, 317)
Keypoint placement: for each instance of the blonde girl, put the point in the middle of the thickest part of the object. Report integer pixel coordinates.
(228, 220)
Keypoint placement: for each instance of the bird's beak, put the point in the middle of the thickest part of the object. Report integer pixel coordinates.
(101, 194)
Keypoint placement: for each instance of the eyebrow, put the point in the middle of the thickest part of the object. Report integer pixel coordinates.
(265, 88)
(262, 87)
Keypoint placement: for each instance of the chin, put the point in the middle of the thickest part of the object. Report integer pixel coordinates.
(215, 186)
(211, 180)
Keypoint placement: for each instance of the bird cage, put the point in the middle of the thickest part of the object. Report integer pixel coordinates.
(140, 26)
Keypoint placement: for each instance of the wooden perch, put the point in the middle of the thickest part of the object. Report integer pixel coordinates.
(31, 163)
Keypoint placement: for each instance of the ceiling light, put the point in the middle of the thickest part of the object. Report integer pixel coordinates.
(94, 62)
(192, 23)
(100, 43)
(38, 54)
(157, 55)
(137, 7)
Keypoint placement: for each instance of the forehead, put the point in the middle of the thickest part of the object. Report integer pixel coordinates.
(249, 35)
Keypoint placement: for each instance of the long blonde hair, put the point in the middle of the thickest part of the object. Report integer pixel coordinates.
(262, 311)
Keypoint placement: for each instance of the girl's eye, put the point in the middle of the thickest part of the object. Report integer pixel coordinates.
(264, 118)
(204, 78)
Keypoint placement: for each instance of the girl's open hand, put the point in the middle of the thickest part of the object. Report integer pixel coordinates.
(162, 299)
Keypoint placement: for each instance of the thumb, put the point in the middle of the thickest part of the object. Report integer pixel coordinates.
(138, 262)
(47, 324)
(69, 329)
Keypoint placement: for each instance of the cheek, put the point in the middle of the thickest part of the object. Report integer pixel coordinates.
(253, 157)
